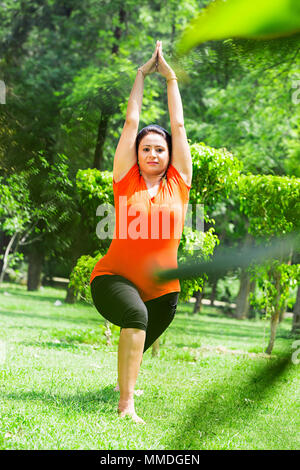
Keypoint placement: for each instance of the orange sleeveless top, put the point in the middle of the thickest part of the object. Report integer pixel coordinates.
(147, 231)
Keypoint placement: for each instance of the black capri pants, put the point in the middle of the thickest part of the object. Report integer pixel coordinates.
(118, 301)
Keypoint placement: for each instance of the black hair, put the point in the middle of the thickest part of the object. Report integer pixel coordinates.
(158, 130)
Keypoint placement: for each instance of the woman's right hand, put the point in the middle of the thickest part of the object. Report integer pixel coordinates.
(150, 66)
(163, 67)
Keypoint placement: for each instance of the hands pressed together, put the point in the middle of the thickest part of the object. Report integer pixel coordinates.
(157, 63)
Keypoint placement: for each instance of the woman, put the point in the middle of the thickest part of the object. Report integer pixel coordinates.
(152, 174)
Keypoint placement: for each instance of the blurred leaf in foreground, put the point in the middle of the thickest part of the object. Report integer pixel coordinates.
(254, 19)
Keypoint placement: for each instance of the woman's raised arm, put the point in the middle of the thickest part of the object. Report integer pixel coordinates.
(125, 155)
(181, 155)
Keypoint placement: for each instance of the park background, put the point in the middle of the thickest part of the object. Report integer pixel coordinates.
(223, 375)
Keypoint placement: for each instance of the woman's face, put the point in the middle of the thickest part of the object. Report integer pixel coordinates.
(153, 154)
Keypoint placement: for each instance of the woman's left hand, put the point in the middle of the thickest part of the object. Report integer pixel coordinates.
(163, 67)
(150, 66)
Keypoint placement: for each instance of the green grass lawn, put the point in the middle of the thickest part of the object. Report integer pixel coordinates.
(210, 388)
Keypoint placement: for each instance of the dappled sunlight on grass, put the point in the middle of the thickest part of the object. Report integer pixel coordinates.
(210, 387)
(218, 408)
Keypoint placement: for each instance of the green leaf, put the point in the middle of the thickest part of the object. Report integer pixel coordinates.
(256, 19)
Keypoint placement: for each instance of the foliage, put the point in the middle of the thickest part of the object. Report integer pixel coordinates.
(80, 276)
(253, 114)
(15, 212)
(215, 173)
(26, 199)
(247, 94)
(271, 203)
(94, 188)
(16, 219)
(68, 69)
(268, 298)
(258, 19)
(205, 243)
(37, 205)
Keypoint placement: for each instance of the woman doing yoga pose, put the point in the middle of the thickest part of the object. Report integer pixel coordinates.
(152, 174)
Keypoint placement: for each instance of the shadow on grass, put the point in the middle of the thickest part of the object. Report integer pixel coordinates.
(105, 400)
(42, 297)
(54, 317)
(52, 345)
(218, 329)
(211, 412)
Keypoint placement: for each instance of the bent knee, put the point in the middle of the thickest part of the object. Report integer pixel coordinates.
(136, 318)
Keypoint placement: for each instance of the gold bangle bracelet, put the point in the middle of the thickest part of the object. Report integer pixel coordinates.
(172, 78)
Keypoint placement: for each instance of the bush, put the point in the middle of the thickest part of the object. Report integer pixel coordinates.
(80, 276)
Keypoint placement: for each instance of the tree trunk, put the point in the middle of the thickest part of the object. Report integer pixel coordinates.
(70, 298)
(242, 300)
(102, 130)
(6, 255)
(214, 291)
(35, 265)
(296, 312)
(198, 304)
(281, 312)
(274, 323)
(275, 316)
(4, 240)
(118, 30)
(105, 114)
(251, 313)
(155, 348)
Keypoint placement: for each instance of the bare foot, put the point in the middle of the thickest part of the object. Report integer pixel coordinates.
(131, 414)
(126, 408)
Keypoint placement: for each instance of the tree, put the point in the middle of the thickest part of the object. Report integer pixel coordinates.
(33, 214)
(272, 205)
(215, 172)
(15, 218)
